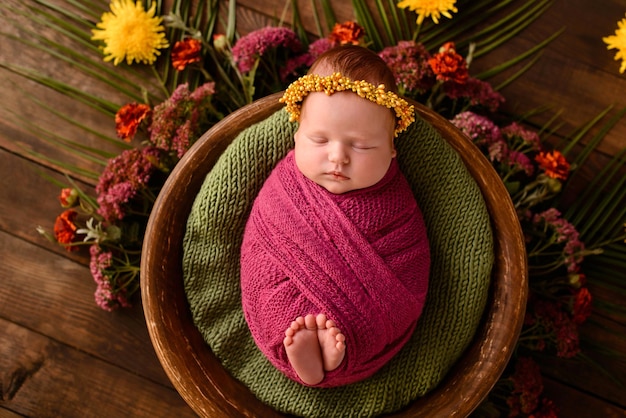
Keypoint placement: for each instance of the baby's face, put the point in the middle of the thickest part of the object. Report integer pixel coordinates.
(344, 142)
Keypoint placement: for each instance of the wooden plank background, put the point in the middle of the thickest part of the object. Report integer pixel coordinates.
(60, 355)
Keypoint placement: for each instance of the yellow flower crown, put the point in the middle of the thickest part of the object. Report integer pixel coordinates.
(299, 89)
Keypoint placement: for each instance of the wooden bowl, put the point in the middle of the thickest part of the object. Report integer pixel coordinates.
(198, 375)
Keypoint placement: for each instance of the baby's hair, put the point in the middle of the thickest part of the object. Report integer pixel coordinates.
(350, 68)
(357, 63)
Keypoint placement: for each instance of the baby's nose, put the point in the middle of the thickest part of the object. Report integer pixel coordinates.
(337, 154)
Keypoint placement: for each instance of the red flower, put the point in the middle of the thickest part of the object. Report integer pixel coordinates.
(547, 410)
(186, 52)
(527, 386)
(65, 229)
(128, 119)
(554, 164)
(346, 33)
(448, 65)
(582, 306)
(68, 197)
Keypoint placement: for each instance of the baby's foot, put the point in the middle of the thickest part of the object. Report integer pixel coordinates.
(303, 349)
(332, 342)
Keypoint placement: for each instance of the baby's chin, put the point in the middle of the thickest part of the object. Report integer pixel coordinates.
(335, 187)
(339, 187)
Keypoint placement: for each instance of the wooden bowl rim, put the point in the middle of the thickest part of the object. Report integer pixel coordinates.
(198, 375)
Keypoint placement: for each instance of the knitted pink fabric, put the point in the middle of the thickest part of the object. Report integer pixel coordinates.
(362, 258)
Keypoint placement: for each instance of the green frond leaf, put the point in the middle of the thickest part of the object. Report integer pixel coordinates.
(364, 18)
(385, 21)
(317, 20)
(507, 64)
(329, 16)
(102, 105)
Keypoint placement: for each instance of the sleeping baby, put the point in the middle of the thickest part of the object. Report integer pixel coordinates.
(335, 257)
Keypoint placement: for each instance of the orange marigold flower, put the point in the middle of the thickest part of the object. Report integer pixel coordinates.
(186, 52)
(128, 119)
(448, 65)
(65, 228)
(554, 164)
(346, 33)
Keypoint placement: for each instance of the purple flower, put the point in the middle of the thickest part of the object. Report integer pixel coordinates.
(320, 46)
(481, 130)
(557, 323)
(565, 232)
(520, 161)
(497, 150)
(181, 119)
(516, 134)
(255, 44)
(106, 296)
(122, 178)
(108, 299)
(478, 92)
(409, 63)
(100, 261)
(294, 64)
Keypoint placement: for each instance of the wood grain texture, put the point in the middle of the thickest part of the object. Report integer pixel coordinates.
(46, 306)
(32, 364)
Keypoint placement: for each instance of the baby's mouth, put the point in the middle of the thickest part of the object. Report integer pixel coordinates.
(338, 175)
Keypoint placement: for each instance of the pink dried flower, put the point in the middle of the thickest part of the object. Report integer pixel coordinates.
(480, 129)
(100, 261)
(180, 120)
(203, 92)
(567, 341)
(478, 92)
(517, 135)
(546, 410)
(254, 45)
(122, 178)
(551, 316)
(108, 299)
(293, 65)
(519, 160)
(320, 46)
(409, 63)
(103, 272)
(564, 232)
(527, 387)
(497, 150)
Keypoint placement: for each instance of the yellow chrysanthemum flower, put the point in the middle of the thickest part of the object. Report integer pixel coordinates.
(130, 32)
(618, 41)
(429, 8)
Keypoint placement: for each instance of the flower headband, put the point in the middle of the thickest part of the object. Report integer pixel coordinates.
(299, 89)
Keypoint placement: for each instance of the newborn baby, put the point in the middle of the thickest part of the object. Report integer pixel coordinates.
(335, 257)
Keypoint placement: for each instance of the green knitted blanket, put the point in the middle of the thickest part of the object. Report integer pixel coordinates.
(461, 259)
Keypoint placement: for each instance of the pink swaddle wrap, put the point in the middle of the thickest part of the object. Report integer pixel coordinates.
(362, 258)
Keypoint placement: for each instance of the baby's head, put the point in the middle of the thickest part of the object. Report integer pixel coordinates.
(349, 114)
